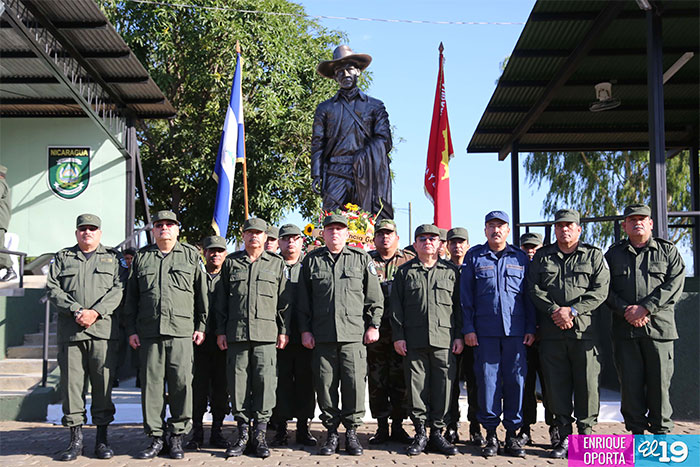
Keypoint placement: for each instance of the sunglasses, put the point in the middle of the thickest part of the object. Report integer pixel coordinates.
(84, 228)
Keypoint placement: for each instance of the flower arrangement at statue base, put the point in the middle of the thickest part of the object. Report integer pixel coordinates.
(360, 227)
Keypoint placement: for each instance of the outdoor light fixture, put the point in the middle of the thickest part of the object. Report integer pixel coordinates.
(673, 69)
(644, 5)
(603, 91)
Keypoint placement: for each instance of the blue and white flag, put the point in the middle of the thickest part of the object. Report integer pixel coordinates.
(231, 150)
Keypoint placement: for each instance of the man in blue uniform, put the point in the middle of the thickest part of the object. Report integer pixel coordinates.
(498, 322)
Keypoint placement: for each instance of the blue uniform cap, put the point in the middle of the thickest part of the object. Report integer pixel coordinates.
(497, 215)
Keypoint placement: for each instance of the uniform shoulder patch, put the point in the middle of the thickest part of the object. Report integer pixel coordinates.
(372, 268)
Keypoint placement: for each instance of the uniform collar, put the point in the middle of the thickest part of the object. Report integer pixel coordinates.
(79, 253)
(652, 244)
(360, 95)
(486, 250)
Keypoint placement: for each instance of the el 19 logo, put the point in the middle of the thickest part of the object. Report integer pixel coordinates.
(679, 450)
(656, 450)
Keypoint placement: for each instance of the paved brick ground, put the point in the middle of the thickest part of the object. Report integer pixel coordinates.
(24, 443)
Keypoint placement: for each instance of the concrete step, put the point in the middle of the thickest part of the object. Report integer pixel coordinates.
(18, 382)
(37, 338)
(52, 327)
(24, 366)
(31, 351)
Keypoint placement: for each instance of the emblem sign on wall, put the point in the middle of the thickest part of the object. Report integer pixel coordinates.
(69, 170)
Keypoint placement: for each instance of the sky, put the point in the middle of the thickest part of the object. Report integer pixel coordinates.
(404, 70)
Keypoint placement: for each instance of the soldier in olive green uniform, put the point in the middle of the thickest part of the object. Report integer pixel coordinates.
(165, 311)
(646, 282)
(339, 293)
(295, 388)
(427, 325)
(251, 318)
(85, 283)
(386, 381)
(5, 212)
(568, 281)
(209, 377)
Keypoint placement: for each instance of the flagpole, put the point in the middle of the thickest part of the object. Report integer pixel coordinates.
(245, 158)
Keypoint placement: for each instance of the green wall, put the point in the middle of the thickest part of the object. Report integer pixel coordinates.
(44, 222)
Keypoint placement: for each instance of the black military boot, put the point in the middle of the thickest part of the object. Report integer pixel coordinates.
(75, 448)
(554, 435)
(175, 445)
(304, 435)
(352, 444)
(281, 434)
(525, 436)
(398, 434)
(216, 437)
(153, 450)
(102, 449)
(438, 443)
(381, 436)
(260, 441)
(561, 450)
(237, 449)
(475, 436)
(330, 447)
(452, 433)
(514, 446)
(420, 441)
(490, 449)
(197, 439)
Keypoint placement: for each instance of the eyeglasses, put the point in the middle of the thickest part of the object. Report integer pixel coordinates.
(163, 225)
(84, 228)
(427, 238)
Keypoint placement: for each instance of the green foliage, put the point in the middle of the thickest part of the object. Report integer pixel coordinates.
(603, 183)
(190, 53)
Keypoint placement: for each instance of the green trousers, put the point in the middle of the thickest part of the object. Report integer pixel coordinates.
(5, 260)
(571, 367)
(645, 368)
(340, 366)
(166, 360)
(295, 388)
(79, 362)
(386, 379)
(429, 375)
(209, 385)
(252, 380)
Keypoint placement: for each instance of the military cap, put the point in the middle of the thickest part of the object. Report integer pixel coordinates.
(129, 251)
(272, 232)
(501, 215)
(335, 219)
(255, 223)
(289, 229)
(531, 238)
(427, 229)
(3, 170)
(214, 241)
(443, 235)
(637, 210)
(459, 233)
(164, 216)
(88, 219)
(385, 224)
(567, 215)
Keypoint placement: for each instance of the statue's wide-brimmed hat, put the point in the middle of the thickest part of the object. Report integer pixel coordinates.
(342, 55)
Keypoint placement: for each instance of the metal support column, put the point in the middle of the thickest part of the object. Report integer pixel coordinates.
(657, 139)
(515, 192)
(130, 211)
(694, 157)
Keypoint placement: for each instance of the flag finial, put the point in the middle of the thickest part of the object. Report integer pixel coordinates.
(238, 47)
(441, 48)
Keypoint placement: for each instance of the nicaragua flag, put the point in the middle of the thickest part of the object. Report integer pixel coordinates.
(231, 150)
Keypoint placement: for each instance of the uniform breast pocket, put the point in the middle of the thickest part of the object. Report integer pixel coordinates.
(146, 279)
(182, 276)
(443, 292)
(321, 283)
(238, 285)
(514, 278)
(69, 279)
(267, 297)
(104, 275)
(581, 275)
(352, 279)
(485, 279)
(548, 275)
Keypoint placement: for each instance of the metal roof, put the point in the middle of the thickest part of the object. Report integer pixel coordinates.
(90, 51)
(610, 39)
